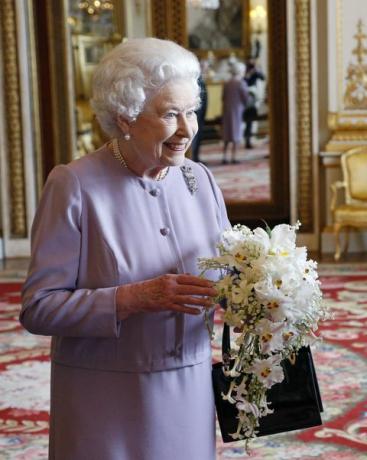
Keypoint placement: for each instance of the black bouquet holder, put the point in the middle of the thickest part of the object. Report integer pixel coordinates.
(296, 401)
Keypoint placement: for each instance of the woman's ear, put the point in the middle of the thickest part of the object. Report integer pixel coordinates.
(123, 124)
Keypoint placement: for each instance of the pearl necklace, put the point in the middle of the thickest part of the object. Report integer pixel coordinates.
(119, 157)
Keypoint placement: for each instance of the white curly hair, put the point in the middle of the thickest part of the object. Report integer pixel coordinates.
(130, 74)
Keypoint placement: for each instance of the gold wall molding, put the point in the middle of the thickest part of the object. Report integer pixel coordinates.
(62, 82)
(348, 126)
(355, 96)
(304, 115)
(349, 130)
(347, 121)
(13, 120)
(36, 117)
(119, 17)
(159, 19)
(169, 20)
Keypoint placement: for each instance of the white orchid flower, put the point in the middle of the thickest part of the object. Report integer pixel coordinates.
(268, 371)
(247, 407)
(289, 334)
(262, 237)
(270, 334)
(231, 237)
(274, 301)
(283, 238)
(241, 291)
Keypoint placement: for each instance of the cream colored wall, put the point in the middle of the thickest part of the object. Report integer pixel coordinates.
(341, 18)
(348, 13)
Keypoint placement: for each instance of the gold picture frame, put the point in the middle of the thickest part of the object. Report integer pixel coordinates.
(223, 31)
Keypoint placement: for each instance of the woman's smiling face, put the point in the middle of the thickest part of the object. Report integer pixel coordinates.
(163, 132)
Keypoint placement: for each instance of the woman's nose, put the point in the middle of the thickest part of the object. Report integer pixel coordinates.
(186, 128)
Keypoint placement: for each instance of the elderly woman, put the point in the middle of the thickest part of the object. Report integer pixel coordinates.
(113, 274)
(234, 99)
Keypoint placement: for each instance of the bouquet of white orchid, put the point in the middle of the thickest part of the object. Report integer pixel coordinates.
(273, 298)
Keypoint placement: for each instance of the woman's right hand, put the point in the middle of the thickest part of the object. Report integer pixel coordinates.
(166, 292)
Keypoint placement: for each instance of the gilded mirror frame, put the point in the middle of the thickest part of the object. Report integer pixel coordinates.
(169, 21)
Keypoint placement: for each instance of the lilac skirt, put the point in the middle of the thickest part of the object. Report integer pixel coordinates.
(102, 415)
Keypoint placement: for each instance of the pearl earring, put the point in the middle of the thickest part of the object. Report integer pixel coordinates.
(127, 136)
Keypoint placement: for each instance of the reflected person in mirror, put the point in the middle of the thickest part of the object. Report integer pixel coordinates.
(252, 77)
(234, 99)
(200, 116)
(113, 276)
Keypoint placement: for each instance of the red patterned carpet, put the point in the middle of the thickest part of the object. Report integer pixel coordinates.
(248, 180)
(341, 362)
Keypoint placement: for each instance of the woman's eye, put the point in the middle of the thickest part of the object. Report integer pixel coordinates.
(170, 115)
(190, 113)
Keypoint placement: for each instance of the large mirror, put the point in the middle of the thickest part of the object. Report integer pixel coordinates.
(255, 188)
(223, 33)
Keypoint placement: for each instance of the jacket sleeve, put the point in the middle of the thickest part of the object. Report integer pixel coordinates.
(51, 302)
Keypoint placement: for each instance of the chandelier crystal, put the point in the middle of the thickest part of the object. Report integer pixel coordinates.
(95, 7)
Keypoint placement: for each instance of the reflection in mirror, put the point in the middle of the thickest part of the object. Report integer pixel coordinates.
(237, 108)
(215, 24)
(93, 33)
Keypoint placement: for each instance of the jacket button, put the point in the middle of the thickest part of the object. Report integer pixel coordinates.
(165, 231)
(155, 192)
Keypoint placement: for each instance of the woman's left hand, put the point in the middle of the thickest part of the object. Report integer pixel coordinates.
(166, 292)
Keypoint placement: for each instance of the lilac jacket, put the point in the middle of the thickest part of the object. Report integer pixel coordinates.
(99, 226)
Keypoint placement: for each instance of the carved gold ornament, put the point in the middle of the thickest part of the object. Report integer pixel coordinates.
(304, 115)
(355, 96)
(13, 117)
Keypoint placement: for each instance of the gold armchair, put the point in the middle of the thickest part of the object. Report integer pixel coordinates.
(352, 213)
